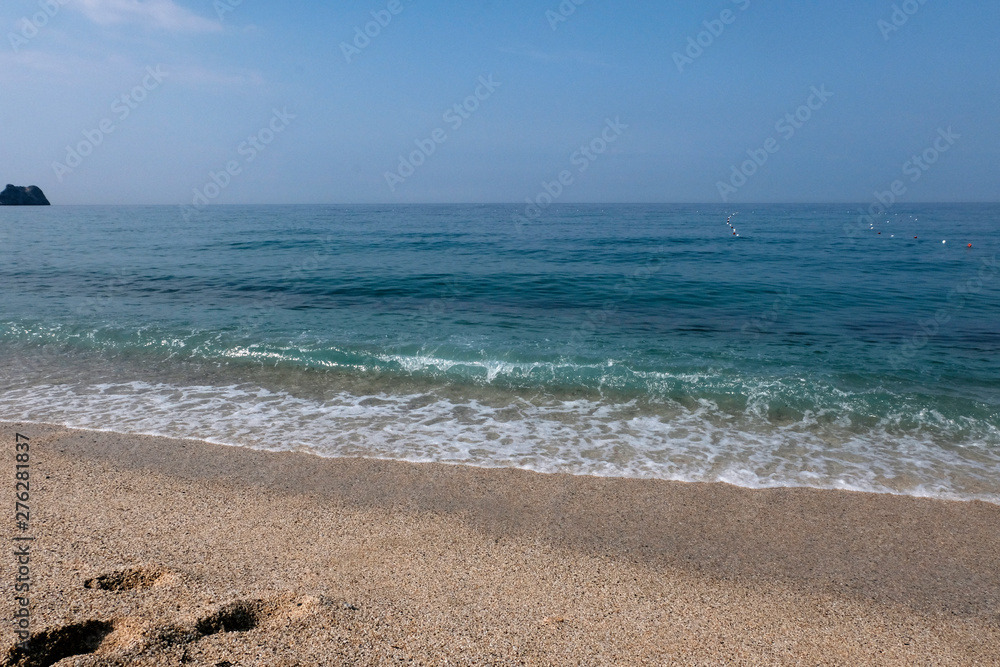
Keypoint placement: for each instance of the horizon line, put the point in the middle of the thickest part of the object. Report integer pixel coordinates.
(557, 204)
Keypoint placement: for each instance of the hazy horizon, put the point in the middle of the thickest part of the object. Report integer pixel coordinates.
(734, 102)
(731, 205)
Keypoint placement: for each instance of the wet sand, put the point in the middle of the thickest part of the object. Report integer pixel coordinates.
(152, 551)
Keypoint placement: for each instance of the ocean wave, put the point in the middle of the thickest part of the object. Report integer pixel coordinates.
(634, 341)
(578, 436)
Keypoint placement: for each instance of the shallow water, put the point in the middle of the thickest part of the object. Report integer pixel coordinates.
(639, 341)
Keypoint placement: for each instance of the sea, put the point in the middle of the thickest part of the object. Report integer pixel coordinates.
(826, 346)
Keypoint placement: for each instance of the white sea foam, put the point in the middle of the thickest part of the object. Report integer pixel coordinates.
(581, 436)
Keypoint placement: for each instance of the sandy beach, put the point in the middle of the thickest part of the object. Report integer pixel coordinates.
(151, 551)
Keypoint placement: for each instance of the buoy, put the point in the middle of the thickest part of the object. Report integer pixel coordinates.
(943, 241)
(914, 237)
(970, 245)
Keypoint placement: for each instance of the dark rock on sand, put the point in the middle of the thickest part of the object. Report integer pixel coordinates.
(18, 196)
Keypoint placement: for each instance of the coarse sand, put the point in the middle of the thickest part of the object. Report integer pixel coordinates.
(153, 551)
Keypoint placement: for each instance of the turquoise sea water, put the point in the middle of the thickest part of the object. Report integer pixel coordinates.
(642, 341)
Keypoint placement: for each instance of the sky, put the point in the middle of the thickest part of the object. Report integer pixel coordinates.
(197, 102)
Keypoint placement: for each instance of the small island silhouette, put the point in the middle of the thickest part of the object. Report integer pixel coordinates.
(21, 196)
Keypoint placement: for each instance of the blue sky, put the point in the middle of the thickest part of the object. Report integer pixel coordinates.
(202, 81)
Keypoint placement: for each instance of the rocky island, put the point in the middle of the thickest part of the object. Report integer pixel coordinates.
(20, 196)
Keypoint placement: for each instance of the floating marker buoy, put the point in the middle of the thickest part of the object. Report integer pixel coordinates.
(729, 221)
(914, 237)
(970, 245)
(943, 241)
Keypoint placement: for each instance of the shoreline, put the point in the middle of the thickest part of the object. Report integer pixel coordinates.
(990, 499)
(365, 560)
